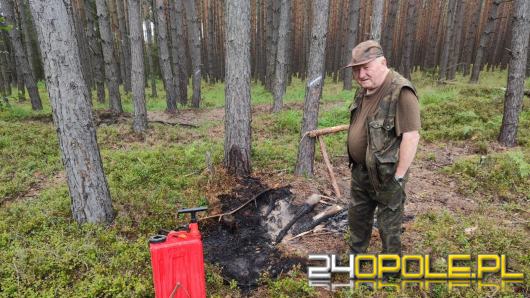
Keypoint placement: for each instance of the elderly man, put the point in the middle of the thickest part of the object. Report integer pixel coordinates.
(382, 141)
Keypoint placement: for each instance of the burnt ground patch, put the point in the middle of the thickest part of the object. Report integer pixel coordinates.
(242, 243)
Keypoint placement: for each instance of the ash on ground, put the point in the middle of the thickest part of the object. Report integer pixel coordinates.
(243, 244)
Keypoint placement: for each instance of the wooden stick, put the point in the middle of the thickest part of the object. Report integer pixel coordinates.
(327, 130)
(330, 168)
(238, 208)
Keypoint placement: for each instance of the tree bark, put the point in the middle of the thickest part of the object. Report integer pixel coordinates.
(163, 56)
(72, 113)
(388, 33)
(194, 35)
(176, 61)
(150, 48)
(111, 66)
(181, 50)
(95, 49)
(137, 67)
(377, 20)
(513, 100)
(20, 56)
(409, 38)
(237, 146)
(313, 91)
(353, 28)
(280, 73)
(484, 41)
(125, 47)
(469, 43)
(448, 37)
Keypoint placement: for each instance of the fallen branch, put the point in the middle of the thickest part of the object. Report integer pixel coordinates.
(173, 123)
(330, 168)
(238, 208)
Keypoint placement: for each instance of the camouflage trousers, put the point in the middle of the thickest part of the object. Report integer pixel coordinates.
(364, 200)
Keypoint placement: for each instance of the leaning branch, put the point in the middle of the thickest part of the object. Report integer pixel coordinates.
(327, 130)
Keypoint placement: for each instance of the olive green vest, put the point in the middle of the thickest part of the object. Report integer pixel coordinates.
(382, 153)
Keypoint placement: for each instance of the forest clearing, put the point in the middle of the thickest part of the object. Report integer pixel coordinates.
(116, 114)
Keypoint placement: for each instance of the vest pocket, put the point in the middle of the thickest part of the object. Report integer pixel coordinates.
(379, 134)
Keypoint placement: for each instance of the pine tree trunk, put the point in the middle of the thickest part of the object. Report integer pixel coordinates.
(163, 56)
(150, 49)
(181, 50)
(484, 41)
(210, 42)
(195, 50)
(513, 100)
(237, 146)
(281, 56)
(377, 20)
(409, 37)
(388, 33)
(137, 67)
(353, 28)
(124, 42)
(457, 40)
(111, 66)
(315, 83)
(448, 36)
(469, 43)
(72, 113)
(95, 49)
(176, 63)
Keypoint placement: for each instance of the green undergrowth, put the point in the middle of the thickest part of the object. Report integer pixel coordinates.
(503, 176)
(445, 233)
(43, 252)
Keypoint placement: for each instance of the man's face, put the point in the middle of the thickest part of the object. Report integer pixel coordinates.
(370, 75)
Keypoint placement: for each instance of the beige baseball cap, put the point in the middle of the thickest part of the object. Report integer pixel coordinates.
(365, 52)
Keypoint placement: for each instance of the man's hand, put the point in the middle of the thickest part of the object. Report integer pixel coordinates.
(407, 151)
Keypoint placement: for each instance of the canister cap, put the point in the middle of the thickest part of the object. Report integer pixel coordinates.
(157, 239)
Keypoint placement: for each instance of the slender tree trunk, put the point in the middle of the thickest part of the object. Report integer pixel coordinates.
(176, 61)
(484, 41)
(353, 27)
(181, 51)
(469, 44)
(281, 56)
(388, 33)
(137, 67)
(125, 47)
(149, 49)
(449, 32)
(195, 50)
(210, 41)
(237, 146)
(20, 56)
(96, 56)
(377, 20)
(72, 113)
(513, 100)
(163, 55)
(313, 91)
(111, 66)
(409, 37)
(457, 40)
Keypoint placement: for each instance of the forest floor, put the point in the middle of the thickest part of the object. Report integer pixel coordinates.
(466, 194)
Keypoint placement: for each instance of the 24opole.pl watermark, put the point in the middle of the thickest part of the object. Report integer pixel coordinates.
(412, 270)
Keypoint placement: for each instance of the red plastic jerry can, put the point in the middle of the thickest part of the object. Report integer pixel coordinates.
(177, 261)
